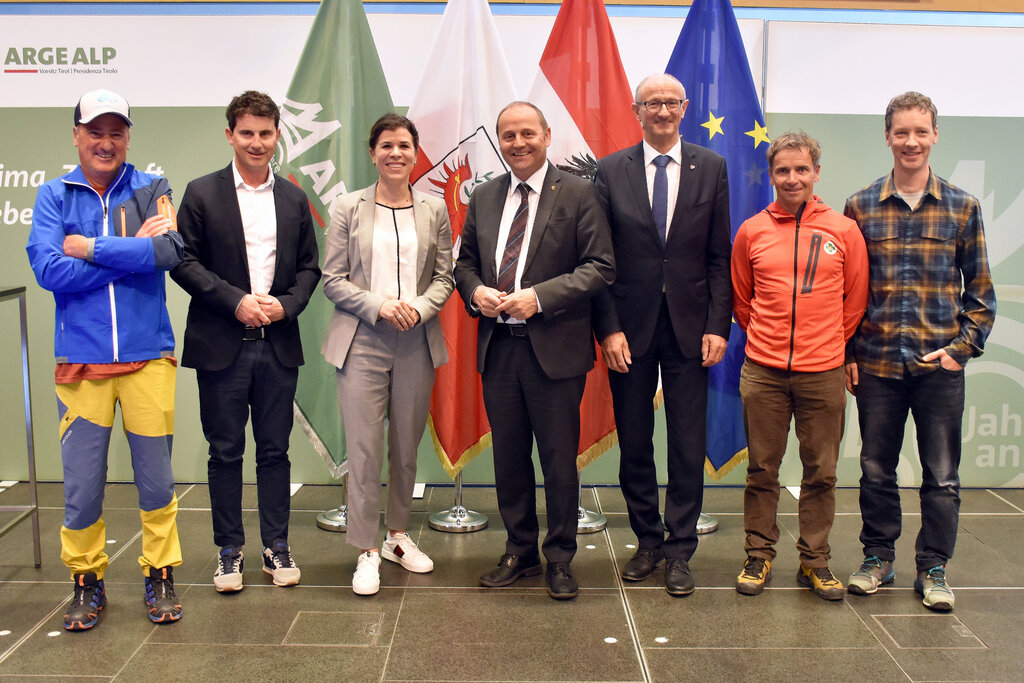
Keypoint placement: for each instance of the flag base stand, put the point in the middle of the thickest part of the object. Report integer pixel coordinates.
(457, 519)
(588, 521)
(336, 519)
(706, 524)
(333, 520)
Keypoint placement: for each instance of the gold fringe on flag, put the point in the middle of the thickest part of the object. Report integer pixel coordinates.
(467, 455)
(735, 460)
(597, 449)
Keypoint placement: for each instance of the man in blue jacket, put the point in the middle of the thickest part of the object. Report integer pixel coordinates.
(102, 237)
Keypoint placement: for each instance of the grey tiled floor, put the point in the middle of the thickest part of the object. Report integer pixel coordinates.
(444, 627)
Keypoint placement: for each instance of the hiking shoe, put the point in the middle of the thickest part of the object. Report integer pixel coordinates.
(366, 580)
(400, 548)
(161, 600)
(756, 572)
(873, 572)
(84, 610)
(822, 581)
(277, 561)
(228, 577)
(934, 591)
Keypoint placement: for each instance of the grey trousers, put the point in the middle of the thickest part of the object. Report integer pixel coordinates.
(383, 390)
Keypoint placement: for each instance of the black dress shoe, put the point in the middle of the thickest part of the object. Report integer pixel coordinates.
(678, 579)
(509, 569)
(561, 585)
(643, 563)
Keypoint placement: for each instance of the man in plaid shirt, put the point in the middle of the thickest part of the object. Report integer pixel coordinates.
(931, 305)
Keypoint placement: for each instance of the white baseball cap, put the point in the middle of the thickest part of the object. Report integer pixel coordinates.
(99, 102)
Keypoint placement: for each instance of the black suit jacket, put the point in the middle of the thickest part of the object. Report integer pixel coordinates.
(569, 260)
(692, 268)
(215, 271)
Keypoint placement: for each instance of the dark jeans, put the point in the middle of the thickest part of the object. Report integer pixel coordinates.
(256, 378)
(936, 401)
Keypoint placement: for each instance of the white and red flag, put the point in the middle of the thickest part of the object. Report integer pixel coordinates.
(465, 84)
(582, 89)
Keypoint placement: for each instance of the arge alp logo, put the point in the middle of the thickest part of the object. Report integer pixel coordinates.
(303, 129)
(474, 161)
(59, 59)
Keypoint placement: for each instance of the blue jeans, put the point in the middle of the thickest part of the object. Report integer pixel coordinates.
(936, 401)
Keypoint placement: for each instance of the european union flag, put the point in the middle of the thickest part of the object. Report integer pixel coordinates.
(725, 116)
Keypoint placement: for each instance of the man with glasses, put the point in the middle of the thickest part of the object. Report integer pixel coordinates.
(670, 308)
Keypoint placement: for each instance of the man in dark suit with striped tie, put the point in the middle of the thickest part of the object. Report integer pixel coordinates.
(535, 250)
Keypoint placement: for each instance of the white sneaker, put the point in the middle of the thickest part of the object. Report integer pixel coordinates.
(366, 580)
(228, 577)
(400, 548)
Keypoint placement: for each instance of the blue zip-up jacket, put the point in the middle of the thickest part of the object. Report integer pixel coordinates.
(112, 307)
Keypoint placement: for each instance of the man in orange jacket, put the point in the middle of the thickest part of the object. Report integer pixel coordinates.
(800, 286)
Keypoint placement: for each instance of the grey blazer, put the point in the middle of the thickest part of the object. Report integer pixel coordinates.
(347, 267)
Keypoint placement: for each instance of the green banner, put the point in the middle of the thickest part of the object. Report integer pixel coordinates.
(336, 94)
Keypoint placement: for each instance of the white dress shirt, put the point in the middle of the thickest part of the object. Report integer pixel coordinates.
(536, 183)
(395, 245)
(259, 223)
(672, 169)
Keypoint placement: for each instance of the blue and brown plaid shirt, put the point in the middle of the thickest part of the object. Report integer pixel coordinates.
(930, 286)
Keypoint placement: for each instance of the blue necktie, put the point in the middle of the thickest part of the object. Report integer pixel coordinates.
(659, 200)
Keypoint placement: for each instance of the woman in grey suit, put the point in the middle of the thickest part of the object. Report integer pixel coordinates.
(388, 271)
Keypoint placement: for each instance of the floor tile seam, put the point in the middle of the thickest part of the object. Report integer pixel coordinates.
(189, 488)
(503, 680)
(731, 648)
(1014, 506)
(32, 631)
(189, 643)
(56, 610)
(136, 651)
(874, 635)
(631, 626)
(394, 631)
(63, 676)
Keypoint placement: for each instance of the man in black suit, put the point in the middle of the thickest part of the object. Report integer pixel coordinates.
(251, 263)
(535, 250)
(667, 202)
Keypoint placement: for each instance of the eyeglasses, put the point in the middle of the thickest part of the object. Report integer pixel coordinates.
(654, 106)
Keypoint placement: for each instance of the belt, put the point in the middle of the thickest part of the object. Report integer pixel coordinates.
(514, 330)
(254, 333)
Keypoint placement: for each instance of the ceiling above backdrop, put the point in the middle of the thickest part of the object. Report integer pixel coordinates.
(921, 5)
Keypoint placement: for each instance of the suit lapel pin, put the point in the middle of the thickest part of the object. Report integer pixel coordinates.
(552, 188)
(692, 167)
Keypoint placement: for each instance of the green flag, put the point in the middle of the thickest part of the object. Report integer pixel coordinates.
(336, 94)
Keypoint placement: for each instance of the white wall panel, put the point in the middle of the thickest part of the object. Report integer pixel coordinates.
(818, 68)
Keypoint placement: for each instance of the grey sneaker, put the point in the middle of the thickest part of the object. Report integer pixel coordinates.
(228, 577)
(934, 591)
(873, 572)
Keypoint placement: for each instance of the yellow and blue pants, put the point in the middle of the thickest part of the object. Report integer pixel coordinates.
(86, 411)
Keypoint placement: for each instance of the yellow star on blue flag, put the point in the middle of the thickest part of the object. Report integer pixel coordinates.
(760, 134)
(714, 125)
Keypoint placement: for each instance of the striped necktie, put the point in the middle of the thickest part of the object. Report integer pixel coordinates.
(514, 244)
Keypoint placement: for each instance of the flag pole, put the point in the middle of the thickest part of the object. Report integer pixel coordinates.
(589, 522)
(336, 519)
(457, 519)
